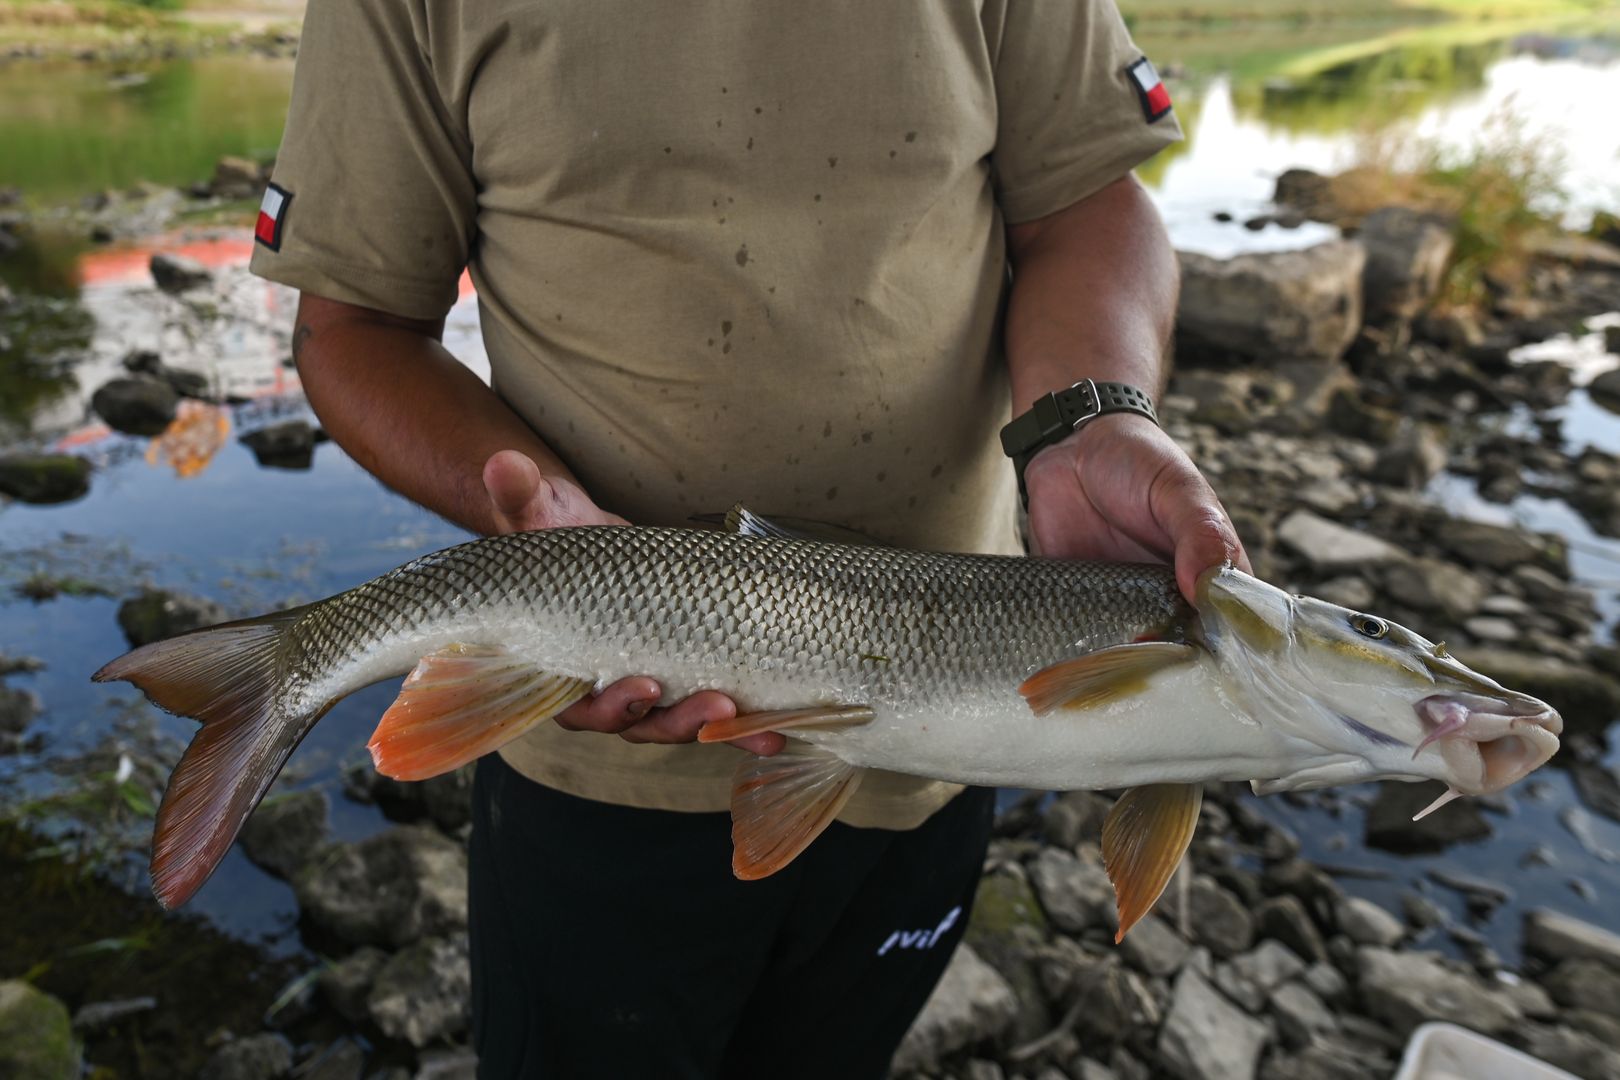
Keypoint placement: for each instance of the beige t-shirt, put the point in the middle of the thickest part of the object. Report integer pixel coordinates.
(745, 251)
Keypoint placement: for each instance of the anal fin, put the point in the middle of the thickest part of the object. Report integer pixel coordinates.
(461, 703)
(779, 804)
(816, 718)
(1102, 676)
(1143, 841)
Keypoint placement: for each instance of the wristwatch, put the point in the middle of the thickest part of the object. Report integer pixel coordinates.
(1054, 417)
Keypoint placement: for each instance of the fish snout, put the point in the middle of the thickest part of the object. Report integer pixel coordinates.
(1489, 743)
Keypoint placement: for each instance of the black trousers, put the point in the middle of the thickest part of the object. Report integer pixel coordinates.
(614, 942)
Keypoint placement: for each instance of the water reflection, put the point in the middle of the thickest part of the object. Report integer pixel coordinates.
(192, 439)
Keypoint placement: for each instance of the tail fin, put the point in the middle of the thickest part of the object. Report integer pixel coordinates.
(229, 677)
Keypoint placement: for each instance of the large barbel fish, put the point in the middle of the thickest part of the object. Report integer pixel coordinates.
(979, 669)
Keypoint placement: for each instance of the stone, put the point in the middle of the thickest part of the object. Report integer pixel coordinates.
(286, 830)
(1206, 1037)
(1497, 547)
(971, 1004)
(390, 889)
(1435, 586)
(1585, 983)
(346, 984)
(1153, 948)
(136, 404)
(1597, 783)
(178, 273)
(1366, 923)
(1575, 1051)
(1493, 630)
(1301, 1015)
(1250, 978)
(1554, 936)
(256, 1057)
(287, 445)
(1348, 592)
(1331, 548)
(154, 614)
(1406, 261)
(236, 178)
(103, 1014)
(1405, 989)
(1075, 817)
(1389, 823)
(458, 1064)
(1328, 983)
(1414, 458)
(1074, 895)
(1285, 919)
(1348, 413)
(1113, 1001)
(1305, 190)
(36, 1035)
(343, 1059)
(1587, 699)
(44, 479)
(1271, 307)
(423, 993)
(18, 709)
(1222, 399)
(446, 800)
(1215, 918)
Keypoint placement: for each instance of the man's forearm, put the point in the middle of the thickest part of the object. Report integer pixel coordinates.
(1093, 295)
(407, 411)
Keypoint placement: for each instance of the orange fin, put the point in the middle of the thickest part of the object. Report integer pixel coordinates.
(1143, 840)
(779, 804)
(461, 703)
(817, 718)
(1102, 676)
(229, 678)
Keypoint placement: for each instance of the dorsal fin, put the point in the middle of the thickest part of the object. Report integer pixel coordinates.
(741, 521)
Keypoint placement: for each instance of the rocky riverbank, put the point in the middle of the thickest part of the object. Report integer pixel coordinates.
(1339, 413)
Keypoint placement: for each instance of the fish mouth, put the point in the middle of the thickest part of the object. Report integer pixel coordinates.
(1489, 742)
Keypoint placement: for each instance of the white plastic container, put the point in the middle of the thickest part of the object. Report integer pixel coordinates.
(1439, 1051)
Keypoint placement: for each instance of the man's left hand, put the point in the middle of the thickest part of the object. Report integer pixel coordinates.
(1121, 489)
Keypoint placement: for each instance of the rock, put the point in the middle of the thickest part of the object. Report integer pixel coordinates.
(1389, 823)
(1301, 1015)
(1327, 983)
(1573, 1050)
(1285, 919)
(1554, 936)
(461, 1064)
(1320, 1062)
(288, 445)
(1586, 699)
(1497, 547)
(155, 614)
(44, 479)
(102, 1014)
(236, 178)
(1347, 592)
(1305, 190)
(1406, 261)
(1222, 399)
(1585, 983)
(1493, 630)
(1215, 917)
(1349, 414)
(285, 831)
(1405, 989)
(18, 709)
(1331, 548)
(423, 993)
(1597, 783)
(1074, 895)
(257, 1057)
(1113, 1002)
(1435, 586)
(136, 405)
(389, 889)
(1249, 979)
(1153, 948)
(445, 800)
(1412, 460)
(343, 1059)
(36, 1036)
(1271, 307)
(971, 1004)
(346, 984)
(1605, 386)
(1075, 817)
(1365, 923)
(178, 273)
(1205, 1037)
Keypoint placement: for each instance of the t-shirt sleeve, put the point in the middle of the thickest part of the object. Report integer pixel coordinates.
(379, 200)
(1072, 115)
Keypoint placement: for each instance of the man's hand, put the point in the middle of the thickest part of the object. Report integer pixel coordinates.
(522, 498)
(1120, 488)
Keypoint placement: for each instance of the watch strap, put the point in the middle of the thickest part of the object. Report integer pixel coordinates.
(1053, 417)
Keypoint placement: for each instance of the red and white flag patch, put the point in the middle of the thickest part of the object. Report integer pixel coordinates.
(272, 212)
(1150, 89)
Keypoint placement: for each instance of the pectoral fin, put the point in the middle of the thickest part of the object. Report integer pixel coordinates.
(816, 718)
(461, 703)
(1143, 841)
(779, 804)
(1102, 676)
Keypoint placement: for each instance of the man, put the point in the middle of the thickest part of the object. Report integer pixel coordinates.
(728, 252)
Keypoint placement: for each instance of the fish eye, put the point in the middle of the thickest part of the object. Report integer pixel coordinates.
(1369, 626)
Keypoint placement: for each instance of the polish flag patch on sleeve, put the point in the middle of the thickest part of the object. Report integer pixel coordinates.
(1150, 90)
(272, 213)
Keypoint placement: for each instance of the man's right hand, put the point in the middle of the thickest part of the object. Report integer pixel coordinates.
(522, 498)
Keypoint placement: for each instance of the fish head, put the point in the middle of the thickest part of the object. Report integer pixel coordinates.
(1379, 700)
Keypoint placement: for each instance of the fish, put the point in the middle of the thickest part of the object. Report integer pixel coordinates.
(978, 669)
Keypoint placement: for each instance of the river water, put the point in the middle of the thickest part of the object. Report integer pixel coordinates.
(197, 513)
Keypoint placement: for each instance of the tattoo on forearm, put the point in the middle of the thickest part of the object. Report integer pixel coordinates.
(301, 335)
